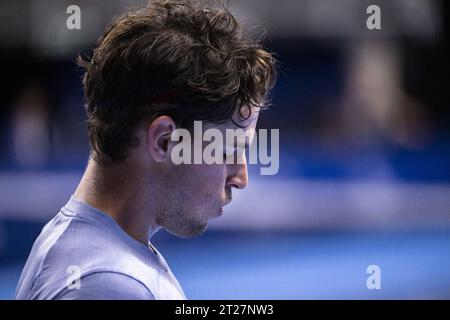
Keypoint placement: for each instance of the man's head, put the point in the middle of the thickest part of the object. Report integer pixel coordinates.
(162, 68)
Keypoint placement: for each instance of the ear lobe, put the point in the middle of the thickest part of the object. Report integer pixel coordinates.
(159, 133)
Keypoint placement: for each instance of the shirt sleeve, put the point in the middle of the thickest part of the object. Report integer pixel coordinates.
(107, 286)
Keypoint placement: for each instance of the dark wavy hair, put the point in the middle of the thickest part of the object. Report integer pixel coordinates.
(176, 58)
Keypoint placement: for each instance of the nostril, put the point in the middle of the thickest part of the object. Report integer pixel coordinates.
(234, 185)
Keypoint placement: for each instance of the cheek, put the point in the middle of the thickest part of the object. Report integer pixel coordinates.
(210, 180)
(199, 185)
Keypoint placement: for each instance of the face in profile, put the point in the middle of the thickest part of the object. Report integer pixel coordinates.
(196, 193)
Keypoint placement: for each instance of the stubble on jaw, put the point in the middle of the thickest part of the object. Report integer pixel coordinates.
(173, 215)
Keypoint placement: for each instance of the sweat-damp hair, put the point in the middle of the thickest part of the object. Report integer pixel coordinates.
(178, 53)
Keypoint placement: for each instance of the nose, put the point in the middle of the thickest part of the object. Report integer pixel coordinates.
(237, 176)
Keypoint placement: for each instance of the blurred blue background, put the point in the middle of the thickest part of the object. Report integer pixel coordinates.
(364, 173)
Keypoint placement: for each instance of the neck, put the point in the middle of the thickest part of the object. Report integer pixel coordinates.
(118, 193)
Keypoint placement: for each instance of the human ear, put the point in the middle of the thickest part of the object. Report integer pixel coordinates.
(158, 138)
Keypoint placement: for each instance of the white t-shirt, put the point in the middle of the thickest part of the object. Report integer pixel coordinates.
(82, 253)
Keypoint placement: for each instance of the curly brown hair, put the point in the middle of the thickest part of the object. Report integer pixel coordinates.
(195, 60)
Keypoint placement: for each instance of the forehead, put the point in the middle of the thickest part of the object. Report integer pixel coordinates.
(248, 125)
(246, 120)
(242, 140)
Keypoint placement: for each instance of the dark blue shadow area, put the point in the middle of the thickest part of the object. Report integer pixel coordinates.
(307, 101)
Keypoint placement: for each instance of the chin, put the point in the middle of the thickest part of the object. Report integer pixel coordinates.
(189, 229)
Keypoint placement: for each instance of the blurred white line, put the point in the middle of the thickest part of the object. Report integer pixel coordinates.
(35, 196)
(267, 203)
(278, 204)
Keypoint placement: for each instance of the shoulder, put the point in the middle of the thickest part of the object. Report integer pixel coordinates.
(109, 268)
(106, 285)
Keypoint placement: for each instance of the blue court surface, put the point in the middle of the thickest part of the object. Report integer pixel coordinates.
(300, 265)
